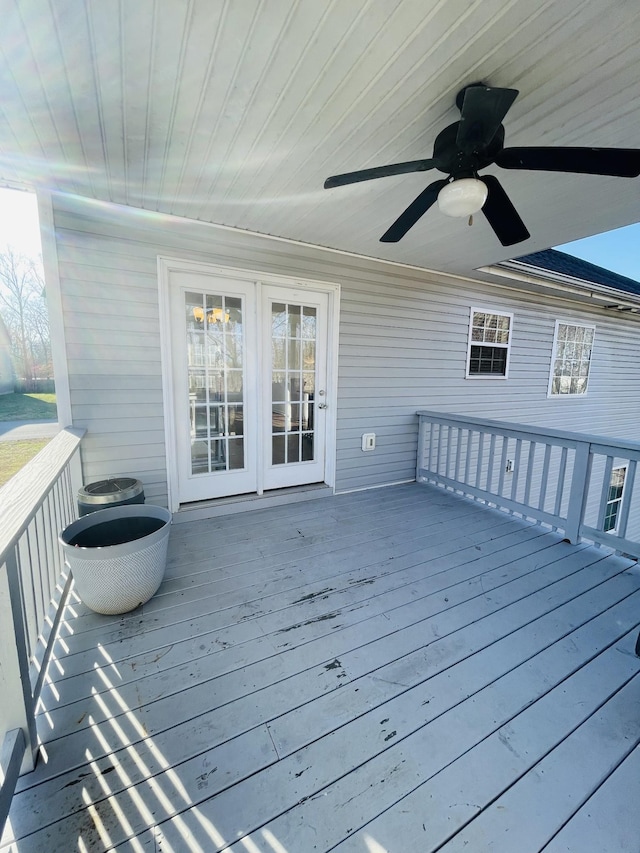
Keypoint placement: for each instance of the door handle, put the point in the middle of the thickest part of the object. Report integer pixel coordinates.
(322, 405)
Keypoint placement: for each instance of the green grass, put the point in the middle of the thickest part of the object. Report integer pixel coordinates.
(15, 454)
(28, 407)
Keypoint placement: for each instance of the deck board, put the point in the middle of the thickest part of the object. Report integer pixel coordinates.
(339, 675)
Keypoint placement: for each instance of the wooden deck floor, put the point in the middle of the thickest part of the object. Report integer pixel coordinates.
(393, 671)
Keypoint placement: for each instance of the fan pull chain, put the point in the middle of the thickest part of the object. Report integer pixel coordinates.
(471, 220)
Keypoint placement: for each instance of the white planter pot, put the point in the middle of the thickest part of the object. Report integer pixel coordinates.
(118, 555)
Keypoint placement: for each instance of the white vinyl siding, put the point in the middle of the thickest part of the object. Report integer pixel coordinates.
(402, 346)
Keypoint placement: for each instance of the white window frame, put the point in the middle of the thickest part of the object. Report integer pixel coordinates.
(499, 313)
(554, 352)
(619, 500)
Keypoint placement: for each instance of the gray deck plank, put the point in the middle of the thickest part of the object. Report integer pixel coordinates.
(328, 814)
(533, 809)
(357, 598)
(367, 592)
(397, 542)
(455, 684)
(316, 676)
(296, 679)
(608, 820)
(343, 570)
(406, 711)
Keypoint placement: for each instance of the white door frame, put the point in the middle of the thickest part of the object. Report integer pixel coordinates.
(168, 265)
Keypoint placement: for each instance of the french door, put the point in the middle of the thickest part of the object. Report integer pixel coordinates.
(249, 374)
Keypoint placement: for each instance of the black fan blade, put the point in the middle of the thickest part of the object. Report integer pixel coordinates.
(378, 172)
(618, 162)
(502, 215)
(416, 209)
(482, 112)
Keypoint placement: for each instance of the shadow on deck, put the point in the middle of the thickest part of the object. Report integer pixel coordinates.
(386, 671)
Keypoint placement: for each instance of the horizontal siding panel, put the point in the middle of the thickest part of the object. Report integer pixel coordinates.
(91, 382)
(100, 343)
(137, 440)
(120, 396)
(78, 363)
(125, 463)
(87, 412)
(123, 426)
(106, 288)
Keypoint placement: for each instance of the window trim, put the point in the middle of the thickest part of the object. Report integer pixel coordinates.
(500, 376)
(619, 500)
(554, 350)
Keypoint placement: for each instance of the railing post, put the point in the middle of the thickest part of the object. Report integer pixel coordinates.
(75, 472)
(421, 446)
(15, 684)
(579, 489)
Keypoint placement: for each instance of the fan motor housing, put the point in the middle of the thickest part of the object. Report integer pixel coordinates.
(449, 159)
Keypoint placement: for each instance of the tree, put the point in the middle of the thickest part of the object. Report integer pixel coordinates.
(24, 310)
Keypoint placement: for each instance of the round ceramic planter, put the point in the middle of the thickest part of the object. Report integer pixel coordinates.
(118, 555)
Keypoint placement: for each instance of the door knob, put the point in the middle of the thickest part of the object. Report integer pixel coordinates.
(322, 406)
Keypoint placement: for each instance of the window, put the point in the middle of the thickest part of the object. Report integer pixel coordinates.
(571, 358)
(614, 498)
(489, 340)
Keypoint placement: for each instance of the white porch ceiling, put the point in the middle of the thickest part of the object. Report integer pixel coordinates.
(235, 111)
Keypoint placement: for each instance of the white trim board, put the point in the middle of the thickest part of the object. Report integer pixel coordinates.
(54, 306)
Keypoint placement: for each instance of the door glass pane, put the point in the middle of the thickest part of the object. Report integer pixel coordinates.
(199, 457)
(215, 383)
(309, 354)
(233, 313)
(277, 449)
(293, 448)
(197, 385)
(307, 447)
(200, 421)
(294, 314)
(215, 359)
(195, 349)
(233, 350)
(309, 324)
(218, 455)
(277, 418)
(278, 320)
(278, 386)
(293, 353)
(278, 354)
(236, 454)
(234, 386)
(235, 420)
(216, 422)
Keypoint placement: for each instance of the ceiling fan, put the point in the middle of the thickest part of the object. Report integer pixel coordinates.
(477, 141)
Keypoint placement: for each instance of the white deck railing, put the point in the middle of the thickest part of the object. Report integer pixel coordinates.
(558, 478)
(35, 506)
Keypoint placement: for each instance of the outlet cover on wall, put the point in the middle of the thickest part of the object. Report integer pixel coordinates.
(369, 441)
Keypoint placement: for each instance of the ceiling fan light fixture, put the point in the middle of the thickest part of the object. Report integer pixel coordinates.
(462, 197)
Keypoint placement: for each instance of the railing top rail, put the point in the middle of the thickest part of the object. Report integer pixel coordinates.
(528, 430)
(22, 496)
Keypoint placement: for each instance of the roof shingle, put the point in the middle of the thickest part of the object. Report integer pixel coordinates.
(559, 262)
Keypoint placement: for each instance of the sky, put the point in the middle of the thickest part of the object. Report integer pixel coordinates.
(19, 222)
(617, 250)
